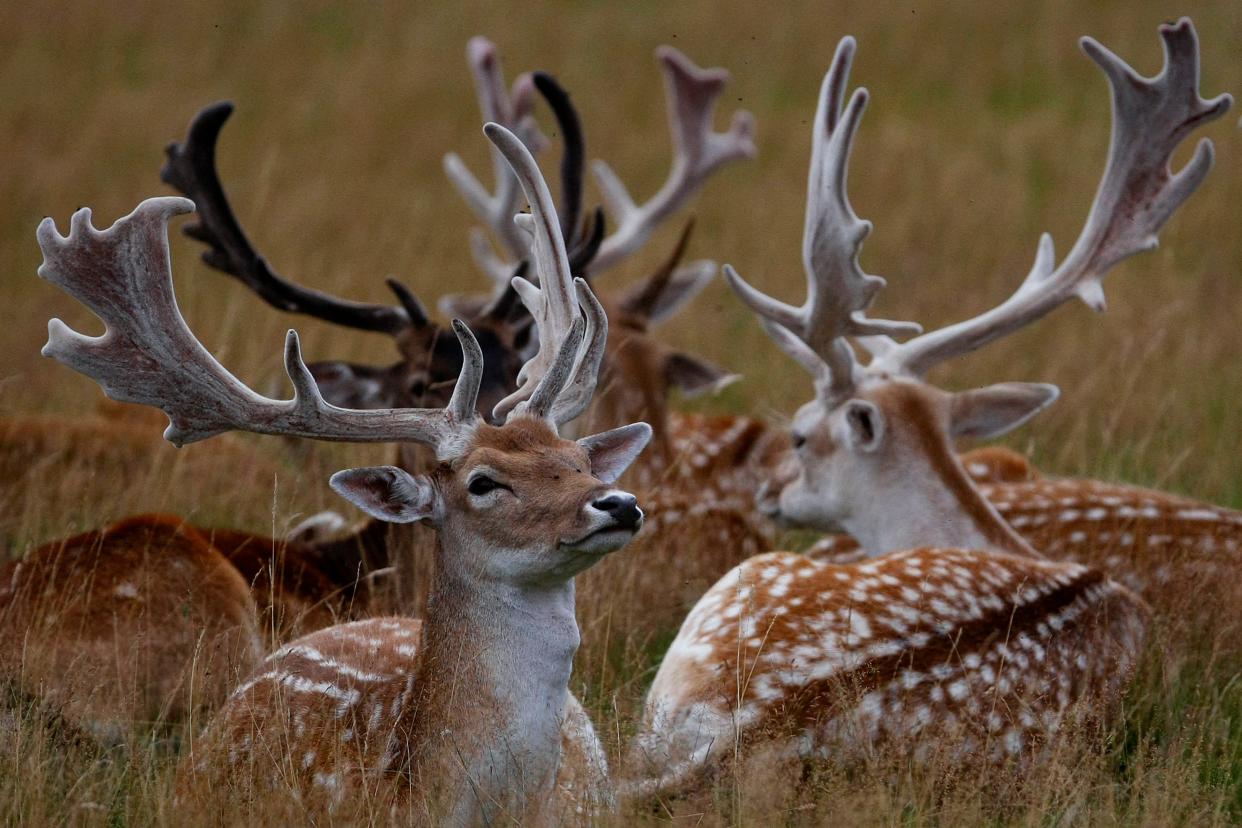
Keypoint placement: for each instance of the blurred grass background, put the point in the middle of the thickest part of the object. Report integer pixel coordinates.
(987, 126)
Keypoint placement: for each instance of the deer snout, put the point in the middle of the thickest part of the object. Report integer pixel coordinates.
(622, 507)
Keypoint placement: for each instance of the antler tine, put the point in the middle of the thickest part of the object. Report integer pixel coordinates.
(838, 290)
(147, 354)
(557, 366)
(414, 308)
(513, 110)
(575, 398)
(191, 169)
(698, 151)
(1136, 196)
(584, 246)
(466, 391)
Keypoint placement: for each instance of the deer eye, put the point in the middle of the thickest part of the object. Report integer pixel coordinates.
(482, 484)
(797, 438)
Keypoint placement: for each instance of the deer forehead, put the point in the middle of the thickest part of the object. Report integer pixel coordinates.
(525, 448)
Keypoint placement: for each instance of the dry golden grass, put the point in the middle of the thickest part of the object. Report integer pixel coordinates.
(987, 126)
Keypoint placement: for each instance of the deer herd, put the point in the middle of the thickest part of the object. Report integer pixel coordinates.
(968, 605)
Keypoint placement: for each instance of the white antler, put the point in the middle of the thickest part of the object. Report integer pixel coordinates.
(698, 151)
(513, 110)
(558, 381)
(838, 291)
(147, 354)
(1136, 196)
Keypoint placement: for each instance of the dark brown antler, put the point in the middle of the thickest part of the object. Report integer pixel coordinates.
(191, 169)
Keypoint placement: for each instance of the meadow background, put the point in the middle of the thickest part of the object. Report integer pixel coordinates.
(987, 126)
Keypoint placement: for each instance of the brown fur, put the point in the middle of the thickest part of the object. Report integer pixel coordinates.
(140, 622)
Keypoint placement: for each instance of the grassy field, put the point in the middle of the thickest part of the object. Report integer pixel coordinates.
(986, 127)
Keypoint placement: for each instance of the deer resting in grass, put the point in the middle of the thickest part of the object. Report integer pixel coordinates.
(467, 714)
(878, 461)
(965, 638)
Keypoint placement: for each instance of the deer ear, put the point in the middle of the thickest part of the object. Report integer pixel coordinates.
(612, 452)
(694, 376)
(991, 411)
(860, 425)
(388, 493)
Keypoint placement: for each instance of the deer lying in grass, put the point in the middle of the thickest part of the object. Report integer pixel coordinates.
(152, 619)
(1163, 546)
(1166, 547)
(965, 638)
(159, 628)
(469, 713)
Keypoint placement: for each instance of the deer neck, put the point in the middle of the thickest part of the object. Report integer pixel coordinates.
(929, 500)
(493, 677)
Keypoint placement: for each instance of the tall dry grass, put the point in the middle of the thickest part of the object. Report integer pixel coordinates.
(987, 126)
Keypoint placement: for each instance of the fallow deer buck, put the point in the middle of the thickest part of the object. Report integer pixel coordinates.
(698, 526)
(466, 716)
(965, 638)
(684, 511)
(878, 461)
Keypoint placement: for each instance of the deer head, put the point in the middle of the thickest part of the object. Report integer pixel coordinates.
(518, 474)
(874, 452)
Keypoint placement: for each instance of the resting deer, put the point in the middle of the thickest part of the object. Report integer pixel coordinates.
(470, 711)
(891, 477)
(965, 635)
(157, 629)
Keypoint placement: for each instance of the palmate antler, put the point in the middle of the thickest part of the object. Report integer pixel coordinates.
(698, 150)
(191, 169)
(147, 354)
(838, 291)
(1136, 196)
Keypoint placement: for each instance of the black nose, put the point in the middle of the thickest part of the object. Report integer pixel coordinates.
(622, 507)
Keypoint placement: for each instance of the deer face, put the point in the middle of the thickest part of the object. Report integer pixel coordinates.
(890, 440)
(523, 505)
